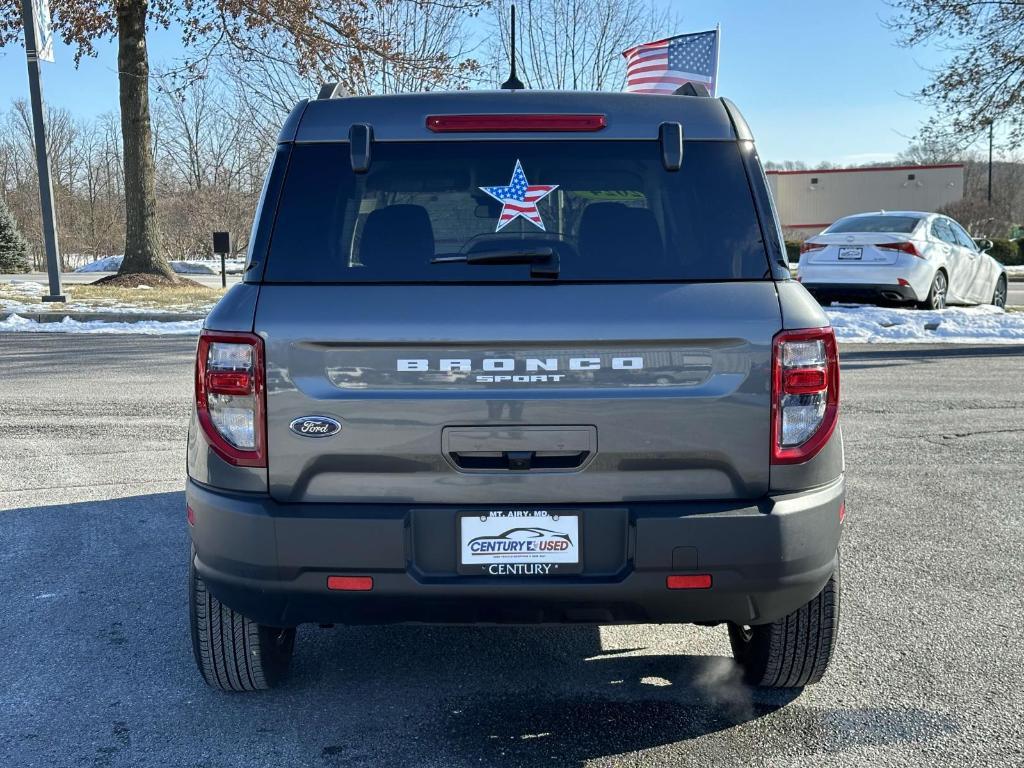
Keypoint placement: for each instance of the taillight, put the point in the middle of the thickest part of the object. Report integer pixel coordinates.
(805, 393)
(514, 123)
(230, 397)
(907, 247)
(808, 247)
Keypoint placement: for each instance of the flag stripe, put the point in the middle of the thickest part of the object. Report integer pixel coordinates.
(661, 55)
(680, 77)
(520, 208)
(648, 68)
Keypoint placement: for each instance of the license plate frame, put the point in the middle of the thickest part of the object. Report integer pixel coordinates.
(543, 527)
(851, 253)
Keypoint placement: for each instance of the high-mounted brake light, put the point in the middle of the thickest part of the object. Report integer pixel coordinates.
(809, 247)
(906, 247)
(230, 396)
(514, 123)
(805, 393)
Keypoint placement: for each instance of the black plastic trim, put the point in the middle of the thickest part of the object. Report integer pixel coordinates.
(266, 215)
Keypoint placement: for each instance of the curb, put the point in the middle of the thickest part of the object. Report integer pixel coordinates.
(105, 317)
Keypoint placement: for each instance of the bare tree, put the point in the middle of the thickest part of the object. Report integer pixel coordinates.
(575, 44)
(345, 37)
(983, 80)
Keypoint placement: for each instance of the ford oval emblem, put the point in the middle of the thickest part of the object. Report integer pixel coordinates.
(315, 426)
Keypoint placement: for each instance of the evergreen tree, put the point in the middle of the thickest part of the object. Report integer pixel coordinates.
(14, 254)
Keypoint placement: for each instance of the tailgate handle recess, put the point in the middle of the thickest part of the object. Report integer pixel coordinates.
(518, 449)
(519, 461)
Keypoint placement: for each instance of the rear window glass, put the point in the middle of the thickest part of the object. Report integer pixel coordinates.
(901, 224)
(604, 211)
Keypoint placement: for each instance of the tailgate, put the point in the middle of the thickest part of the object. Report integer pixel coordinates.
(854, 249)
(451, 394)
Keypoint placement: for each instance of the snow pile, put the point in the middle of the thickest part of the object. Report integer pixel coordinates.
(194, 268)
(113, 263)
(210, 266)
(106, 264)
(955, 325)
(16, 323)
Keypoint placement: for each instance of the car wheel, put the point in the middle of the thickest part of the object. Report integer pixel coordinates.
(234, 653)
(936, 298)
(795, 650)
(999, 297)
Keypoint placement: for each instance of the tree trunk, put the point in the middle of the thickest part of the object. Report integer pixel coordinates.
(141, 247)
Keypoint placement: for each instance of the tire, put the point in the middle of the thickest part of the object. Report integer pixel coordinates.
(936, 298)
(232, 652)
(999, 296)
(795, 650)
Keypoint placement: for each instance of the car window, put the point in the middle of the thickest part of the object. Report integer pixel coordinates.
(941, 230)
(608, 210)
(882, 223)
(962, 237)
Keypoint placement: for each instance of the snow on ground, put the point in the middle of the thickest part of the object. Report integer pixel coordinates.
(16, 323)
(26, 288)
(954, 325)
(187, 267)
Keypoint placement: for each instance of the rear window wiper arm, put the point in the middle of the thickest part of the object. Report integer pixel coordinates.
(543, 261)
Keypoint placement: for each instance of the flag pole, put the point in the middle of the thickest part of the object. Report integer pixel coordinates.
(28, 14)
(718, 53)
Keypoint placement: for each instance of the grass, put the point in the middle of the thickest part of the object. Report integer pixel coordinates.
(185, 298)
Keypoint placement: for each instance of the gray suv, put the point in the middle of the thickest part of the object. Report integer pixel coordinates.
(515, 356)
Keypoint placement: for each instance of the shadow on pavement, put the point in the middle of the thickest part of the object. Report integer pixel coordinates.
(100, 672)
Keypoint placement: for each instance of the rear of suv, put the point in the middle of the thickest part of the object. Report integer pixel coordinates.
(522, 357)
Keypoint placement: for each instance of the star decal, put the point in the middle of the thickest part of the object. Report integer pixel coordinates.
(520, 198)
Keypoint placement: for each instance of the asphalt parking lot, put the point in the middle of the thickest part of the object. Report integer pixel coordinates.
(96, 666)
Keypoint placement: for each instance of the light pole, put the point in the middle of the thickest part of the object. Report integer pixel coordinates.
(990, 124)
(28, 15)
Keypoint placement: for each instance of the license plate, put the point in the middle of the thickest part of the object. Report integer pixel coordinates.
(519, 542)
(851, 253)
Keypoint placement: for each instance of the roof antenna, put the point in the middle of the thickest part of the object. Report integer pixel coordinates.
(513, 83)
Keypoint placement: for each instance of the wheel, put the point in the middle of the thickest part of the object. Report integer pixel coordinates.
(999, 297)
(234, 653)
(936, 298)
(795, 650)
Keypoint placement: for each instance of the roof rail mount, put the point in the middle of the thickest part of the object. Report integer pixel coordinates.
(692, 89)
(331, 91)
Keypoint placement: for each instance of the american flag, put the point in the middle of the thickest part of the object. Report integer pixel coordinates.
(665, 65)
(520, 198)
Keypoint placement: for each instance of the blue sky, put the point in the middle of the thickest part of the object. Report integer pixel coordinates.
(817, 81)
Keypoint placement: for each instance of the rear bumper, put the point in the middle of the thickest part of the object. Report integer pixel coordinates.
(869, 292)
(270, 561)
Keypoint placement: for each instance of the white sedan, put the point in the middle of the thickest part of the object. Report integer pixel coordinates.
(901, 257)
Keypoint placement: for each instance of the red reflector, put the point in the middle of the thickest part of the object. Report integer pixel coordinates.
(350, 583)
(803, 381)
(901, 281)
(190, 515)
(842, 511)
(513, 123)
(228, 383)
(691, 581)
